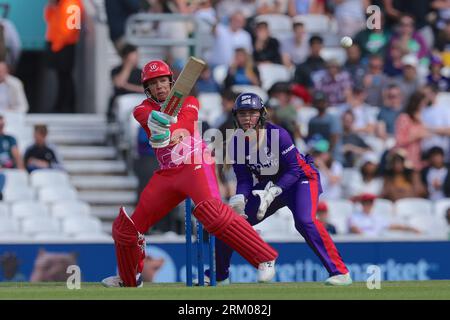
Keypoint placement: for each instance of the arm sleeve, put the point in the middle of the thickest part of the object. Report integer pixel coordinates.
(244, 180)
(141, 114)
(288, 158)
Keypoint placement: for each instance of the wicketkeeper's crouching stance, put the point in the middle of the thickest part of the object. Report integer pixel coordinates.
(175, 181)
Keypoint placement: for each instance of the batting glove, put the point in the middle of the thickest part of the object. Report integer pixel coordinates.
(237, 202)
(270, 192)
(159, 125)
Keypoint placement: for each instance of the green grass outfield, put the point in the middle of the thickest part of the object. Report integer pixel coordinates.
(178, 291)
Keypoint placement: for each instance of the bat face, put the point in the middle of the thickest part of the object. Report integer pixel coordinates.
(183, 86)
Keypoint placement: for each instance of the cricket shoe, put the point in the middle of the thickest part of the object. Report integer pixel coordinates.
(266, 271)
(339, 280)
(224, 282)
(116, 282)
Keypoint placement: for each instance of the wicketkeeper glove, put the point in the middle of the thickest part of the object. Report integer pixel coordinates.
(159, 124)
(270, 192)
(237, 202)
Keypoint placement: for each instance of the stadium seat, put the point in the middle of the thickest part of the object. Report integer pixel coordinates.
(8, 226)
(220, 73)
(81, 225)
(4, 209)
(33, 226)
(253, 89)
(15, 193)
(15, 177)
(443, 98)
(54, 194)
(280, 25)
(49, 178)
(271, 73)
(210, 107)
(124, 106)
(304, 115)
(24, 209)
(384, 207)
(406, 208)
(440, 209)
(314, 23)
(337, 53)
(88, 237)
(62, 209)
(277, 226)
(339, 213)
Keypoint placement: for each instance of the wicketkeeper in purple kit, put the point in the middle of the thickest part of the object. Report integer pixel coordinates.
(285, 178)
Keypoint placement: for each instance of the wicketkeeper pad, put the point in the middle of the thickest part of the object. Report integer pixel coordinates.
(220, 220)
(130, 248)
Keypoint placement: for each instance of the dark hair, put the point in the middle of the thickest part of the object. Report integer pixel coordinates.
(413, 104)
(315, 39)
(435, 151)
(297, 24)
(127, 49)
(41, 128)
(229, 94)
(433, 87)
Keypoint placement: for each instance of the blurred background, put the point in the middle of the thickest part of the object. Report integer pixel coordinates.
(375, 116)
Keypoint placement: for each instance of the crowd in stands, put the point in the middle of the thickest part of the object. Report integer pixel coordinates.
(374, 115)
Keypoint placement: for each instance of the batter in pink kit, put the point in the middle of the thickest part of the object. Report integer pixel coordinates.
(179, 148)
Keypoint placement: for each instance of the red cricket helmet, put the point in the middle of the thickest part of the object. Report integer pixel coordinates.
(154, 69)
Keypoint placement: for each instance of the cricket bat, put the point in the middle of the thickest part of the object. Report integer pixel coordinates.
(183, 86)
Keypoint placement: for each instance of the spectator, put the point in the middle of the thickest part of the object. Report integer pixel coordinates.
(229, 38)
(285, 113)
(436, 118)
(443, 11)
(411, 41)
(409, 81)
(365, 222)
(354, 65)
(393, 66)
(374, 41)
(351, 145)
(350, 16)
(206, 82)
(410, 129)
(435, 176)
(269, 7)
(296, 7)
(435, 78)
(365, 115)
(117, 13)
(375, 81)
(314, 62)
(400, 179)
(443, 39)
(242, 71)
(12, 94)
(366, 179)
(335, 82)
(40, 155)
(62, 39)
(294, 50)
(389, 111)
(266, 48)
(126, 77)
(330, 170)
(417, 9)
(323, 216)
(9, 152)
(324, 124)
(10, 44)
(226, 8)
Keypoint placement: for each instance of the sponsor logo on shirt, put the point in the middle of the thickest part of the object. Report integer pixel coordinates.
(287, 150)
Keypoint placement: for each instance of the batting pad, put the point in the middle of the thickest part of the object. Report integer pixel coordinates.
(220, 220)
(130, 248)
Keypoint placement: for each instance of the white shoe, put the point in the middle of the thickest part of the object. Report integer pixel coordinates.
(339, 280)
(224, 282)
(116, 282)
(266, 271)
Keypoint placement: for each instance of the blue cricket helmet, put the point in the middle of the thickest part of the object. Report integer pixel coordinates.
(249, 101)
